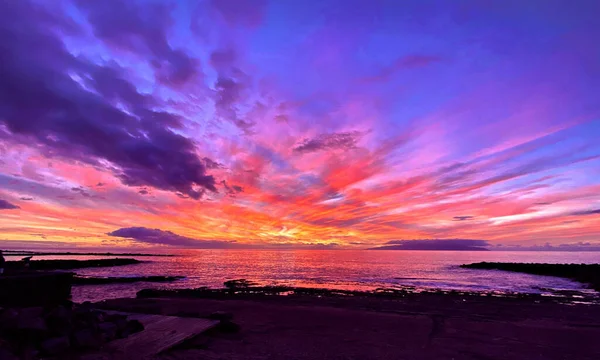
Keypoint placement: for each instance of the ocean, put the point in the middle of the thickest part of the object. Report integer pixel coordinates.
(337, 269)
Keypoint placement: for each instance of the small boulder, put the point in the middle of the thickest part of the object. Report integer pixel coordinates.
(59, 320)
(31, 324)
(133, 326)
(228, 327)
(8, 319)
(87, 339)
(221, 315)
(6, 354)
(55, 346)
(108, 331)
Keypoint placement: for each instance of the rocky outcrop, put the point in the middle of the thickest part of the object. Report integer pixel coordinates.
(584, 273)
(54, 331)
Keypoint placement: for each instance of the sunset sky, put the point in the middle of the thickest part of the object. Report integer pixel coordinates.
(341, 123)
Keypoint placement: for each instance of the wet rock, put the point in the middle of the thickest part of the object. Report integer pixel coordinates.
(55, 346)
(221, 315)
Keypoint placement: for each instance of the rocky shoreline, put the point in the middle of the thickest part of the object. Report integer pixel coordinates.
(583, 273)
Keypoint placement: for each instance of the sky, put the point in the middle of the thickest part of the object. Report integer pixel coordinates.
(327, 124)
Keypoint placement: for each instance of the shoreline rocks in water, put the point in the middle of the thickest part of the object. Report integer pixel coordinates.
(244, 289)
(584, 273)
(70, 264)
(88, 280)
(35, 332)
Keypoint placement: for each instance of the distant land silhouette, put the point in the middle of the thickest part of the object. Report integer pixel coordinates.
(436, 244)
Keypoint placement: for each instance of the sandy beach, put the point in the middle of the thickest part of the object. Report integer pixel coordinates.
(425, 326)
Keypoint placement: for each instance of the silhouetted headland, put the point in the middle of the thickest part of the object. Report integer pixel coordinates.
(70, 264)
(584, 273)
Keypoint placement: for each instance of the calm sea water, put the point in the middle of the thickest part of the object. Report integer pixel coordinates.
(338, 269)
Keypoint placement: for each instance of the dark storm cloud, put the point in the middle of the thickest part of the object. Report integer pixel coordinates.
(141, 29)
(435, 244)
(5, 205)
(67, 121)
(162, 237)
(343, 140)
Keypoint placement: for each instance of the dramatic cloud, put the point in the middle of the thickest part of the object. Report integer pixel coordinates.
(141, 30)
(5, 205)
(436, 244)
(161, 237)
(71, 122)
(341, 141)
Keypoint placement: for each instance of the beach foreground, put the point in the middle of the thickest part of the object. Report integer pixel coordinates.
(416, 327)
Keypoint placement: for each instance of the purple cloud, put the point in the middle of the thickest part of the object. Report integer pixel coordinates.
(435, 244)
(162, 237)
(70, 122)
(5, 205)
(343, 140)
(141, 30)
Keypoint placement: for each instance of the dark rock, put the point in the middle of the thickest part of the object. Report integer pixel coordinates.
(58, 320)
(6, 354)
(31, 324)
(221, 315)
(55, 346)
(108, 331)
(120, 321)
(228, 327)
(8, 319)
(191, 314)
(133, 326)
(238, 284)
(31, 312)
(29, 353)
(87, 339)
